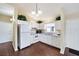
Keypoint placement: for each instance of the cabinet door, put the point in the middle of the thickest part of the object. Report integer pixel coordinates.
(45, 38)
(55, 41)
(25, 40)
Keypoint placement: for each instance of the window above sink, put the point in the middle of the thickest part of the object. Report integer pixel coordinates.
(50, 27)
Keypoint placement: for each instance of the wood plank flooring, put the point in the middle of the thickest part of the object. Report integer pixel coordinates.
(37, 49)
(6, 49)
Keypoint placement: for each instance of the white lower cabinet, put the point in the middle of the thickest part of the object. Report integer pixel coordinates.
(26, 39)
(50, 40)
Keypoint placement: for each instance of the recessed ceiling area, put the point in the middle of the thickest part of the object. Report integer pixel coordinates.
(49, 10)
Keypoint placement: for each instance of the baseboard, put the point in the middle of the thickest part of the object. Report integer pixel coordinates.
(71, 52)
(62, 52)
(15, 49)
(5, 42)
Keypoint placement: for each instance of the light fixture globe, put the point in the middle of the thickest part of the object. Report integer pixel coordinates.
(33, 13)
(37, 11)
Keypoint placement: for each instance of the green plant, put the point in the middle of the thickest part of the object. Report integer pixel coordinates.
(22, 17)
(58, 18)
(39, 22)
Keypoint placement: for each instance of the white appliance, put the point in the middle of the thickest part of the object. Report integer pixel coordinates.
(25, 35)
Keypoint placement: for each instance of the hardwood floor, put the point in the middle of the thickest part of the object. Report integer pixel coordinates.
(37, 49)
(6, 49)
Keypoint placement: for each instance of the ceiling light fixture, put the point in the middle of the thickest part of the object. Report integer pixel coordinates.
(37, 11)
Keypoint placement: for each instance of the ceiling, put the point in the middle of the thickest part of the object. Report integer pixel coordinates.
(49, 10)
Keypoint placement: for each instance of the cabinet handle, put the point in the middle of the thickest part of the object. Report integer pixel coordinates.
(36, 36)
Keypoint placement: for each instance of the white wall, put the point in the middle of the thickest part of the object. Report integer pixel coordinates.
(5, 32)
(72, 33)
(6, 9)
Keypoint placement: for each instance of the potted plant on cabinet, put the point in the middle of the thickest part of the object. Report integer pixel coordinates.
(22, 17)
